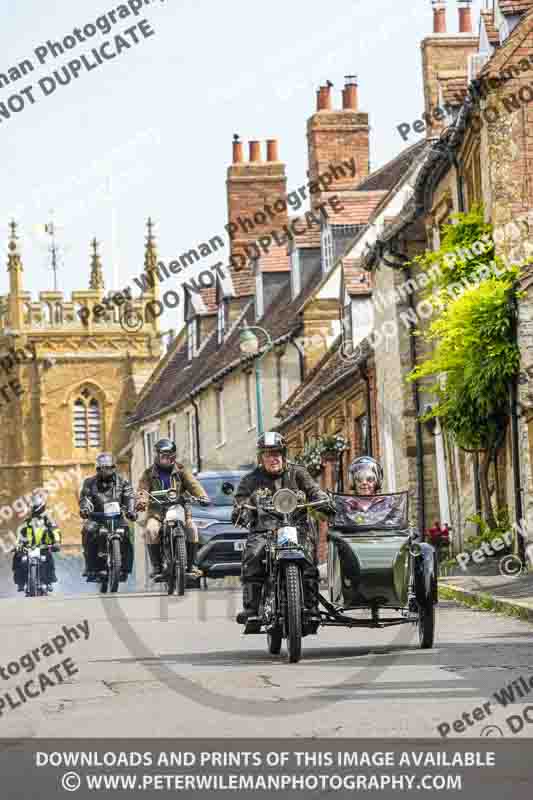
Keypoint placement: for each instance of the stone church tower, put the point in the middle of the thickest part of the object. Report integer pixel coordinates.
(67, 382)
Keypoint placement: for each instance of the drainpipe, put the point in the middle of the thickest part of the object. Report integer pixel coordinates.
(416, 395)
(197, 432)
(300, 360)
(419, 438)
(364, 374)
(515, 442)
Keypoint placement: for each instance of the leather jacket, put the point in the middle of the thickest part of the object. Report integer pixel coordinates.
(261, 483)
(98, 492)
(181, 479)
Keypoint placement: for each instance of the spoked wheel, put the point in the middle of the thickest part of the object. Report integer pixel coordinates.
(180, 565)
(293, 618)
(115, 566)
(274, 640)
(426, 624)
(33, 581)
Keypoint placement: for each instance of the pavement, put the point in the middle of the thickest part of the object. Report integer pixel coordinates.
(487, 587)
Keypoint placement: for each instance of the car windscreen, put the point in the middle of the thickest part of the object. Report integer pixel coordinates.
(382, 512)
(213, 487)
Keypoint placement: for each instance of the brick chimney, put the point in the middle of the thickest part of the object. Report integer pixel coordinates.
(256, 206)
(439, 16)
(465, 16)
(445, 56)
(337, 135)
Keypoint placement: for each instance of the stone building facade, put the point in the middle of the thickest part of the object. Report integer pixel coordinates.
(78, 376)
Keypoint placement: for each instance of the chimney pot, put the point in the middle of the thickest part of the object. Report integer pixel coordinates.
(238, 155)
(349, 93)
(255, 150)
(272, 150)
(324, 98)
(465, 16)
(439, 16)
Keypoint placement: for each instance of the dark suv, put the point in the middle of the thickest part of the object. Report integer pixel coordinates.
(221, 542)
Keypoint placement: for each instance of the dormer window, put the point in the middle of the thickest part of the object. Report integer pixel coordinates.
(328, 251)
(192, 338)
(221, 321)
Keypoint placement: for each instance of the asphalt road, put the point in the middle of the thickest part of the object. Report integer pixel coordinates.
(153, 667)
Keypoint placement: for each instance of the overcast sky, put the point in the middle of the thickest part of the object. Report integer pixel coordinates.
(149, 132)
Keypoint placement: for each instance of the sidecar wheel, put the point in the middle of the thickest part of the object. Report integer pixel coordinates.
(426, 625)
(294, 613)
(274, 640)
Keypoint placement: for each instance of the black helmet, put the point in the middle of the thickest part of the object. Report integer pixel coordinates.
(366, 466)
(165, 447)
(271, 441)
(106, 467)
(38, 504)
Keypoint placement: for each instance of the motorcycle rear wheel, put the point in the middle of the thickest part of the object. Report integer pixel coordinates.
(293, 613)
(180, 565)
(426, 625)
(115, 566)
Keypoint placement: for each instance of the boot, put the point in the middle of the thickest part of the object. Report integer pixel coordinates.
(192, 549)
(251, 596)
(154, 551)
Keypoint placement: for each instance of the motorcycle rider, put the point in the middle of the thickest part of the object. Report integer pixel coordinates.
(166, 473)
(275, 472)
(38, 529)
(105, 487)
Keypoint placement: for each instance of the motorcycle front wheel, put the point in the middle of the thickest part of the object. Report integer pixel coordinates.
(33, 581)
(115, 565)
(180, 565)
(293, 619)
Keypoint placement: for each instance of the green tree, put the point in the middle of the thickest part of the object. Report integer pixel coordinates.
(475, 354)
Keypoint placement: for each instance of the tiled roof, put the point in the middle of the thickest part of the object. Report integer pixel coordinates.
(492, 32)
(511, 7)
(276, 260)
(358, 206)
(181, 378)
(357, 280)
(330, 370)
(310, 237)
(390, 173)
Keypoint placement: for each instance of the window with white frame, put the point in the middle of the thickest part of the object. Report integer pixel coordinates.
(259, 300)
(296, 284)
(191, 339)
(282, 378)
(328, 252)
(249, 389)
(221, 321)
(221, 424)
(190, 422)
(171, 429)
(150, 438)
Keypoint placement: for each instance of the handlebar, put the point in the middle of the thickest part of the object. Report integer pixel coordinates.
(180, 499)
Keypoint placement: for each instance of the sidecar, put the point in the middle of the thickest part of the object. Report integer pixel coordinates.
(377, 562)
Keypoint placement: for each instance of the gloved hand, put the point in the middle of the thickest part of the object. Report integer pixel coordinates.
(204, 501)
(131, 515)
(55, 548)
(84, 513)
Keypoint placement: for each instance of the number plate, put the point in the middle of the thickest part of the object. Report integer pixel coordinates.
(239, 545)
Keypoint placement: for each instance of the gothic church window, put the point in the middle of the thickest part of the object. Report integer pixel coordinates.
(87, 421)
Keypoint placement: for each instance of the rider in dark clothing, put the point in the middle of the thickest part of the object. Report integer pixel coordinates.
(105, 487)
(272, 473)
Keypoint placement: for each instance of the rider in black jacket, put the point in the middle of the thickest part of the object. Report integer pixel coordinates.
(272, 473)
(104, 487)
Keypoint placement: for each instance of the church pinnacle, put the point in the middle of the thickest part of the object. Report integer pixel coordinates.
(97, 275)
(15, 269)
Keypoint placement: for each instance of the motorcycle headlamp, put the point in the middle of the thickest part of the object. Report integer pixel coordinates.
(285, 501)
(172, 495)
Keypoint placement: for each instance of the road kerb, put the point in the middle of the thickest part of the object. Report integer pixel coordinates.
(483, 601)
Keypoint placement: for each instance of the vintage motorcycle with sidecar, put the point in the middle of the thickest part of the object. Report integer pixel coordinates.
(376, 563)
